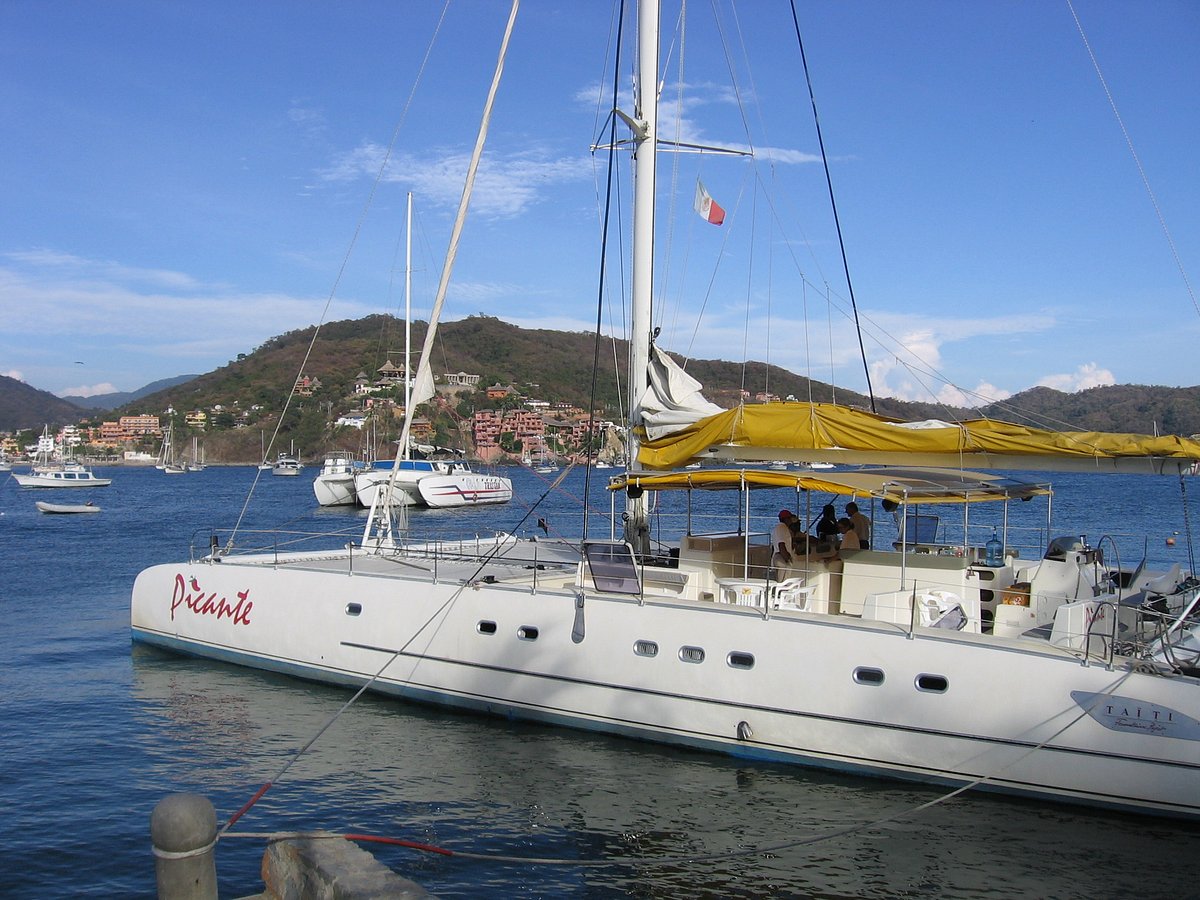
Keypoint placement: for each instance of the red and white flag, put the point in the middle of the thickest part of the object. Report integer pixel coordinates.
(709, 209)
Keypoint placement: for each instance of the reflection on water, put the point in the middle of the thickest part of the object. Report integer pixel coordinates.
(491, 787)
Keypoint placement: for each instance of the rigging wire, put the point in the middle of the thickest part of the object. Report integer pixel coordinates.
(612, 152)
(1136, 159)
(358, 226)
(833, 203)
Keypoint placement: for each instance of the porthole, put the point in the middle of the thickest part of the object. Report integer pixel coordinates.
(527, 633)
(868, 675)
(486, 627)
(739, 660)
(691, 654)
(933, 684)
(645, 648)
(353, 609)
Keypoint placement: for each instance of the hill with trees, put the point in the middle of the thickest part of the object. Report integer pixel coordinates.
(553, 366)
(24, 407)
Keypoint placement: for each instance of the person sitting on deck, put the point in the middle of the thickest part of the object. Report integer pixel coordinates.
(827, 528)
(849, 535)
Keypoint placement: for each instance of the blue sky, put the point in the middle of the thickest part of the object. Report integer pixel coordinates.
(182, 181)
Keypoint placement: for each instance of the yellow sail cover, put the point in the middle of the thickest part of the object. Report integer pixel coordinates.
(823, 432)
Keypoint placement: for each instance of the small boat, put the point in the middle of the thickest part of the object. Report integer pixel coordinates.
(71, 475)
(51, 470)
(167, 462)
(286, 464)
(66, 508)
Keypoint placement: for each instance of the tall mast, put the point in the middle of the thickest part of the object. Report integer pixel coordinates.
(407, 312)
(645, 124)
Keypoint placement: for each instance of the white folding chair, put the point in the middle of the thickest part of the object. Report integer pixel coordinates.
(791, 593)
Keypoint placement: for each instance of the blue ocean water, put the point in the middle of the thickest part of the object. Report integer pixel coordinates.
(95, 732)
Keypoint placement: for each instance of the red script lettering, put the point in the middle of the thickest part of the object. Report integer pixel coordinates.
(202, 604)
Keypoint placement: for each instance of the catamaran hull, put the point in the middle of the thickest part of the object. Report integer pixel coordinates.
(464, 489)
(335, 490)
(867, 698)
(371, 484)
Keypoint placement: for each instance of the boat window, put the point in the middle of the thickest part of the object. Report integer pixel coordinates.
(353, 609)
(613, 568)
(527, 633)
(739, 660)
(933, 684)
(645, 648)
(486, 627)
(691, 654)
(868, 675)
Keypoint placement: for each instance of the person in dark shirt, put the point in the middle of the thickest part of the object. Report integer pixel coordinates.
(827, 527)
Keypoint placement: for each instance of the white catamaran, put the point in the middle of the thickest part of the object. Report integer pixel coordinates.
(1056, 677)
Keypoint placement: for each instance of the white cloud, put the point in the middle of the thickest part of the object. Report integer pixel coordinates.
(505, 184)
(309, 119)
(44, 259)
(1088, 375)
(62, 308)
(914, 367)
(982, 394)
(88, 390)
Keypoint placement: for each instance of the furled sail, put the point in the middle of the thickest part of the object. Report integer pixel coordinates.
(672, 399)
(829, 433)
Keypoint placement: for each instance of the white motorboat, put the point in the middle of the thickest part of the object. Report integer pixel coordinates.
(71, 475)
(66, 509)
(286, 464)
(52, 471)
(958, 663)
